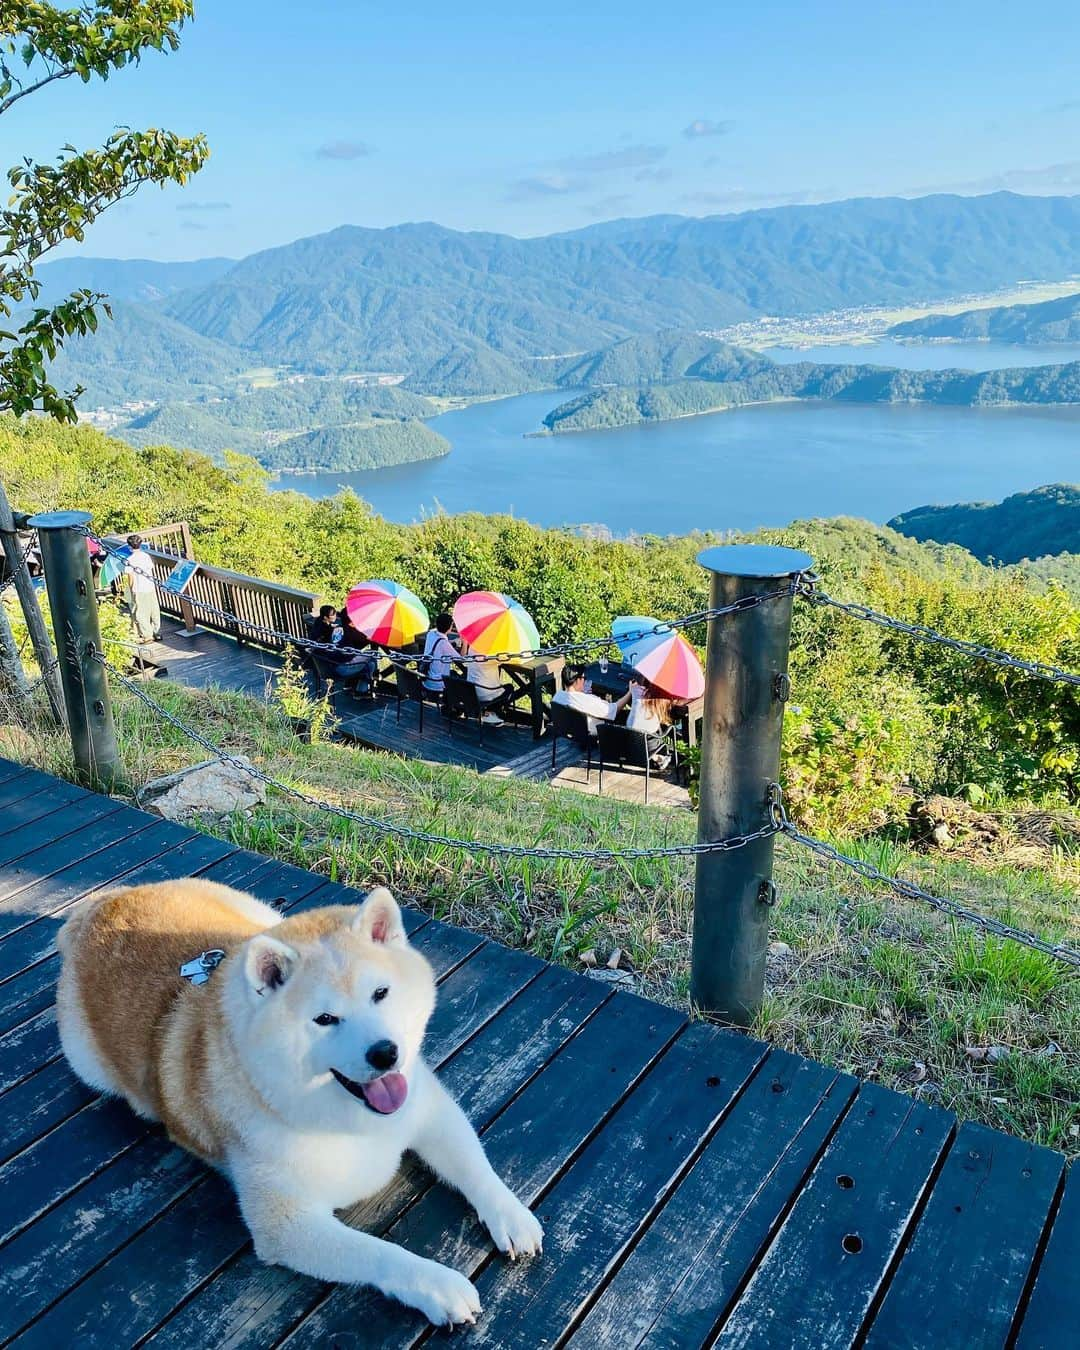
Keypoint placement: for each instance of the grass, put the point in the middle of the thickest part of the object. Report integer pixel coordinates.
(867, 982)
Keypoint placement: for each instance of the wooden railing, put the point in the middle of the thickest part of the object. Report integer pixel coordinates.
(174, 539)
(256, 604)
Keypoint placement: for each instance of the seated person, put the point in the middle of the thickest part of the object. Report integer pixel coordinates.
(439, 654)
(577, 694)
(356, 663)
(650, 713)
(335, 628)
(490, 689)
(326, 627)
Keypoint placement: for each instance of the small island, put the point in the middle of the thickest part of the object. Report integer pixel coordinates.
(302, 425)
(710, 376)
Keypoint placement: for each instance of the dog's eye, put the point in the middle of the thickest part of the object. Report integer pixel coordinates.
(327, 1020)
(379, 994)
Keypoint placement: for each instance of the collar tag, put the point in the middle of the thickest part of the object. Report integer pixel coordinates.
(197, 971)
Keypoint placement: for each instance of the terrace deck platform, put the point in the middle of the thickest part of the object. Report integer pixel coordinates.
(697, 1187)
(212, 659)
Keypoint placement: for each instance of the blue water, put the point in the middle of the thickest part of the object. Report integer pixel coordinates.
(931, 355)
(754, 466)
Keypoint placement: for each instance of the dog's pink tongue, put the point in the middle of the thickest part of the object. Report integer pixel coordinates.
(387, 1093)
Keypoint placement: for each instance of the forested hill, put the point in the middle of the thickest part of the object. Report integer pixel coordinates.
(1050, 321)
(678, 374)
(1025, 525)
(471, 313)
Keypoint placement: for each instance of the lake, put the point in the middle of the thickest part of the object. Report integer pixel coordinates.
(931, 355)
(764, 465)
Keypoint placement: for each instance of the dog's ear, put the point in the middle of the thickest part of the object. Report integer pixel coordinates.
(268, 963)
(380, 919)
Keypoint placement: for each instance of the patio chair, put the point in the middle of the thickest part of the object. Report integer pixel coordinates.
(626, 748)
(574, 725)
(344, 674)
(410, 687)
(461, 699)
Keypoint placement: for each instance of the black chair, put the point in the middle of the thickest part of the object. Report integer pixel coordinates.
(461, 699)
(622, 746)
(410, 686)
(574, 725)
(325, 670)
(333, 670)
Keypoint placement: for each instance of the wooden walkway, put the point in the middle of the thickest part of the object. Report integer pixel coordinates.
(696, 1187)
(211, 659)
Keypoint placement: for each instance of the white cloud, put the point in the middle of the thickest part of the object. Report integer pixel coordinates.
(632, 157)
(701, 126)
(545, 185)
(344, 150)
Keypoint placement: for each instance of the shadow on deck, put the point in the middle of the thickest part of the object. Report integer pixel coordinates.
(510, 751)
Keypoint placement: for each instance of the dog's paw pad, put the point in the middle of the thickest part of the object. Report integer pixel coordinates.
(445, 1297)
(514, 1229)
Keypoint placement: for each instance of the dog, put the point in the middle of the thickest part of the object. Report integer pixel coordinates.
(293, 1067)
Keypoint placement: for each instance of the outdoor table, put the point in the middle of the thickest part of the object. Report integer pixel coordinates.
(614, 682)
(532, 676)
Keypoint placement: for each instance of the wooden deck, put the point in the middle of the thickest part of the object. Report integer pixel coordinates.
(211, 659)
(696, 1187)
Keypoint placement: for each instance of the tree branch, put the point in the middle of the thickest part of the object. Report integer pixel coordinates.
(33, 88)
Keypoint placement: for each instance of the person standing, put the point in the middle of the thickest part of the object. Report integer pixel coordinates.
(142, 592)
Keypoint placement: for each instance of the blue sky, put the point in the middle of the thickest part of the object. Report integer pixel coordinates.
(531, 119)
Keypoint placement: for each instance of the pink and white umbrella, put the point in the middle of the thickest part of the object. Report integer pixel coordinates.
(666, 660)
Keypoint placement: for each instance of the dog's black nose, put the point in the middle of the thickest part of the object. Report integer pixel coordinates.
(382, 1055)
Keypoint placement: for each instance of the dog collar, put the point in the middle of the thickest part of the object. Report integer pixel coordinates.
(198, 970)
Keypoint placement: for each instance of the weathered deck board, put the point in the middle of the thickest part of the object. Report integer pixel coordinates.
(1055, 1295)
(965, 1280)
(684, 1274)
(696, 1187)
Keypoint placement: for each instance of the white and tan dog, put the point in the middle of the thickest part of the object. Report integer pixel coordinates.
(295, 1069)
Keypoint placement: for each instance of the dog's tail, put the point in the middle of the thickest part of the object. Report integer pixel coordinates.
(73, 927)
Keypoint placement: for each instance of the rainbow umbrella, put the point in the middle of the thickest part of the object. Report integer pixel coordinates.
(387, 613)
(633, 636)
(666, 660)
(491, 622)
(112, 569)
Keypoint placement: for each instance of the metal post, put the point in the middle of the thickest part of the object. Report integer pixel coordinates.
(35, 624)
(745, 689)
(73, 603)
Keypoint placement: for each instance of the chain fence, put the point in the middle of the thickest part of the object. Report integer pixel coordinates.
(778, 824)
(805, 586)
(909, 891)
(579, 647)
(20, 567)
(408, 832)
(808, 590)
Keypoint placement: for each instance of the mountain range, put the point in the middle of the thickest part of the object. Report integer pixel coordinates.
(478, 313)
(1047, 321)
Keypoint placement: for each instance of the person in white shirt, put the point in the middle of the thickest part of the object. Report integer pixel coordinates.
(489, 687)
(650, 713)
(142, 592)
(577, 694)
(439, 654)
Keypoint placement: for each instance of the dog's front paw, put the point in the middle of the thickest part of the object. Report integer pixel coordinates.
(515, 1229)
(443, 1295)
